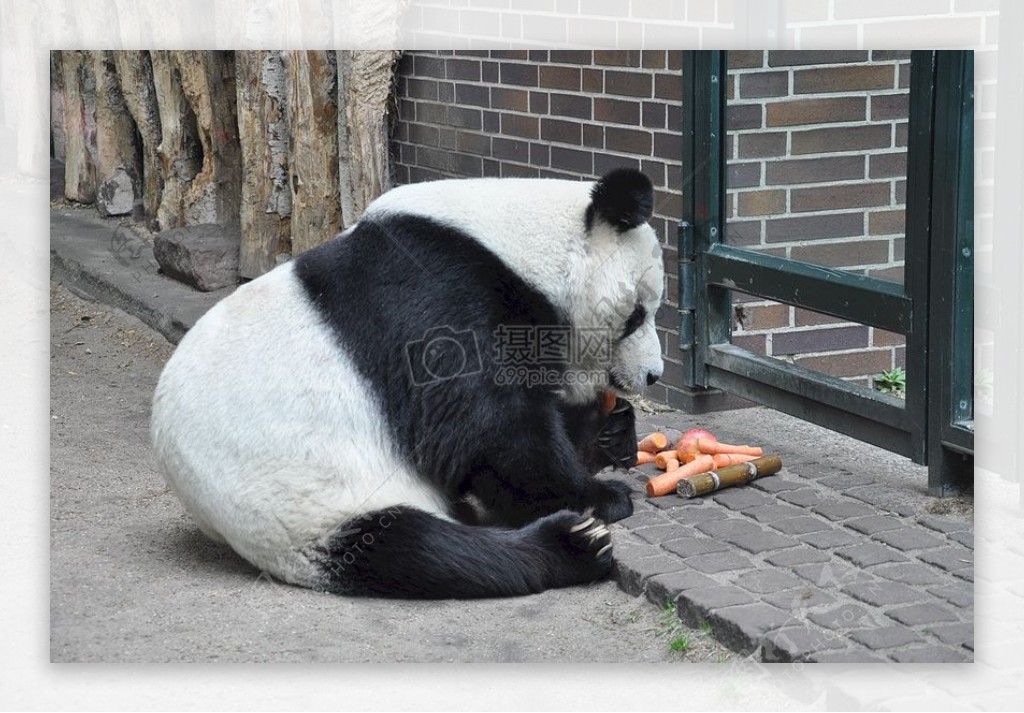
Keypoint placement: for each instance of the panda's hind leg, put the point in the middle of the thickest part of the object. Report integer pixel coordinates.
(407, 553)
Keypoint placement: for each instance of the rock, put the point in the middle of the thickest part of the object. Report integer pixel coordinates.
(116, 195)
(204, 256)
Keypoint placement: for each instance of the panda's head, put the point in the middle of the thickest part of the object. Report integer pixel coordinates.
(624, 280)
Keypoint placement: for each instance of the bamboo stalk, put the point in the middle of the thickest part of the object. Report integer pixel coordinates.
(730, 476)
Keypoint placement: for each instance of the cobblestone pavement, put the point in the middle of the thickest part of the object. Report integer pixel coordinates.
(840, 557)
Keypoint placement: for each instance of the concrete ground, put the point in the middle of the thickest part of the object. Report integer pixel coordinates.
(133, 580)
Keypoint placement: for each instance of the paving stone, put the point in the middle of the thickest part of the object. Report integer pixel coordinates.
(667, 587)
(880, 497)
(967, 573)
(694, 605)
(719, 562)
(758, 542)
(776, 484)
(867, 554)
(922, 614)
(854, 655)
(958, 594)
(768, 581)
(802, 498)
(882, 592)
(692, 516)
(844, 481)
(874, 523)
(885, 637)
(827, 539)
(645, 518)
(910, 538)
(819, 470)
(828, 574)
(797, 555)
(798, 643)
(948, 558)
(772, 512)
(844, 617)
(741, 628)
(629, 547)
(692, 546)
(953, 634)
(656, 534)
(943, 524)
(964, 537)
(799, 599)
(800, 525)
(667, 502)
(740, 498)
(929, 654)
(840, 510)
(728, 526)
(909, 573)
(632, 574)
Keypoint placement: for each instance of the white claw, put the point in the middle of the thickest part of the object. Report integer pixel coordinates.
(598, 532)
(603, 549)
(582, 526)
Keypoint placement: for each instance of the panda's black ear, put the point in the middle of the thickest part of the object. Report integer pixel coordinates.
(623, 198)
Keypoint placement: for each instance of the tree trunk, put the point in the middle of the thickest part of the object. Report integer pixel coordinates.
(118, 149)
(179, 151)
(208, 82)
(266, 202)
(364, 90)
(313, 121)
(58, 140)
(79, 126)
(135, 71)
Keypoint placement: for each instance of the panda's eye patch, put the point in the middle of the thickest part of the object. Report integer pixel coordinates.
(635, 321)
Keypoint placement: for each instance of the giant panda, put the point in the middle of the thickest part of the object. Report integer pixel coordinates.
(330, 420)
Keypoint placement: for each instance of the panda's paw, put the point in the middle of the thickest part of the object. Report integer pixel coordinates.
(610, 499)
(584, 542)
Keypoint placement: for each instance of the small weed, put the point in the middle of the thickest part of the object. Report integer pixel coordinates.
(680, 644)
(706, 627)
(892, 382)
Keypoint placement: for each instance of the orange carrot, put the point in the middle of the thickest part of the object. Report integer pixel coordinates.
(661, 458)
(643, 457)
(709, 447)
(666, 482)
(608, 401)
(724, 459)
(654, 443)
(671, 464)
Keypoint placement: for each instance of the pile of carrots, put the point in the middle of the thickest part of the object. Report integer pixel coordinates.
(696, 451)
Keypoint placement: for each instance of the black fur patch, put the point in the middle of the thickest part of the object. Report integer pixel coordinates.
(623, 198)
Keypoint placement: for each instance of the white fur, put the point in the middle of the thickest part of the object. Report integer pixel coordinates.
(267, 433)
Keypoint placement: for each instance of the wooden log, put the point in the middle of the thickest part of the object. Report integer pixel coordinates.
(135, 71)
(58, 140)
(118, 149)
(79, 126)
(180, 151)
(208, 84)
(364, 93)
(266, 199)
(313, 158)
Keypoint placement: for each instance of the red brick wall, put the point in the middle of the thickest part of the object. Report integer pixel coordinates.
(817, 172)
(578, 113)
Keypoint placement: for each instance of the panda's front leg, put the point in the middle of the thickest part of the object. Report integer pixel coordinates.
(534, 469)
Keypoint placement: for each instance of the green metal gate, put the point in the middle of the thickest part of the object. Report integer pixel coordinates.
(933, 308)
